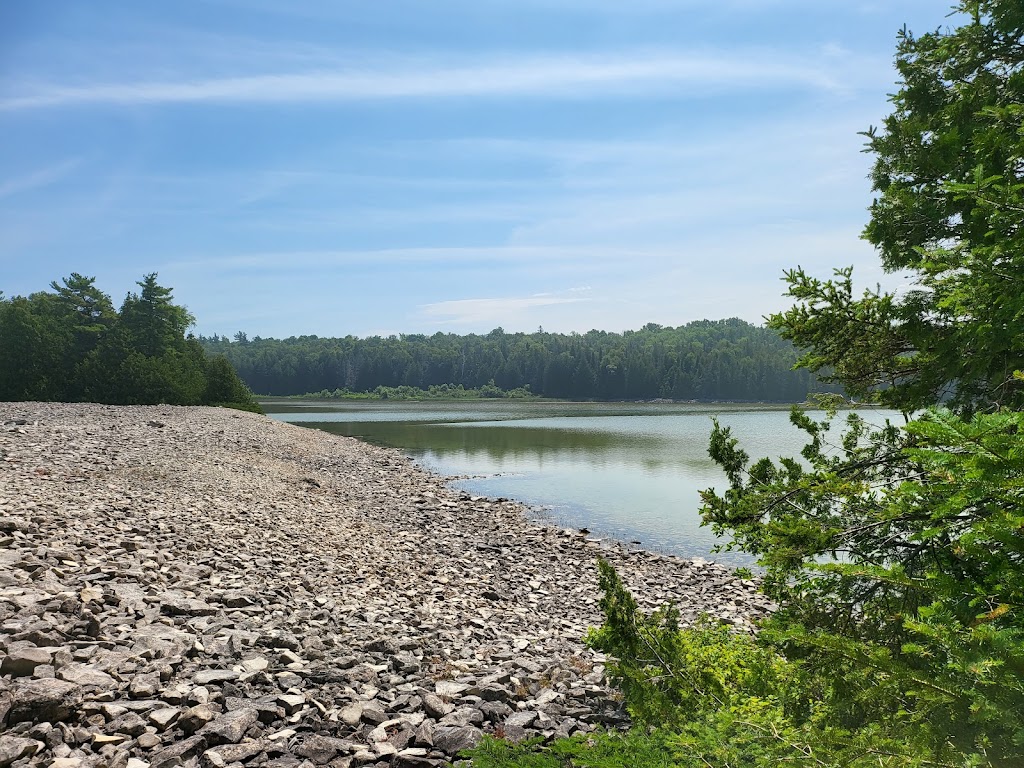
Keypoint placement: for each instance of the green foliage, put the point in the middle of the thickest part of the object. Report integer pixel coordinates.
(896, 556)
(950, 186)
(636, 749)
(71, 345)
(434, 392)
(706, 360)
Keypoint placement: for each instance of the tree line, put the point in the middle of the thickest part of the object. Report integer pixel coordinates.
(703, 360)
(71, 345)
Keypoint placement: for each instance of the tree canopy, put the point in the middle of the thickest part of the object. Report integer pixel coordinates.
(71, 345)
(949, 162)
(703, 360)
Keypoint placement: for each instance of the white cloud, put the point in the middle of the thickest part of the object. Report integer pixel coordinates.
(572, 76)
(41, 177)
(496, 310)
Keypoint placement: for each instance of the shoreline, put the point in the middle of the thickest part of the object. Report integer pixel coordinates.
(172, 574)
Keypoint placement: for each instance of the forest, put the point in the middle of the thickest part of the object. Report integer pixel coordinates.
(703, 360)
(70, 344)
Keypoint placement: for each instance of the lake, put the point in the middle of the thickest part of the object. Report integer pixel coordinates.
(629, 471)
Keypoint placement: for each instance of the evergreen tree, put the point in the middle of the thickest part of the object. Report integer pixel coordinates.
(71, 345)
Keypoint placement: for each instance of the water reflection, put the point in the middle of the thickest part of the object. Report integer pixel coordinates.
(628, 471)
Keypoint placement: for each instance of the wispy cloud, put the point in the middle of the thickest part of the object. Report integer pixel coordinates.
(576, 76)
(41, 177)
(491, 310)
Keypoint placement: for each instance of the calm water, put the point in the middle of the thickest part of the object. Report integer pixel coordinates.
(627, 471)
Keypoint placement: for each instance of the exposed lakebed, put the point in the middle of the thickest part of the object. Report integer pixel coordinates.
(631, 471)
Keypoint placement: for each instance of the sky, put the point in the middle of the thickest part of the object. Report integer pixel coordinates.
(342, 167)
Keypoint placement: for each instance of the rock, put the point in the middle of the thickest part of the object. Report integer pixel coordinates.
(257, 664)
(148, 741)
(322, 749)
(22, 662)
(207, 676)
(194, 718)
(463, 716)
(352, 714)
(292, 702)
(451, 741)
(232, 753)
(164, 717)
(86, 676)
(44, 701)
(521, 719)
(129, 723)
(449, 688)
(178, 752)
(14, 748)
(230, 727)
(435, 706)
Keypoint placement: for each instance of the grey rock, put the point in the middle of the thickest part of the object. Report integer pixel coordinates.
(451, 741)
(230, 727)
(14, 748)
(435, 706)
(129, 723)
(194, 718)
(522, 719)
(178, 752)
(86, 676)
(234, 753)
(22, 662)
(164, 717)
(322, 749)
(207, 676)
(44, 700)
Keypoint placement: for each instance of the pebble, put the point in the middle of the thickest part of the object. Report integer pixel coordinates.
(204, 587)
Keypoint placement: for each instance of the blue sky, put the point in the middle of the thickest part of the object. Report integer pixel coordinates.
(354, 167)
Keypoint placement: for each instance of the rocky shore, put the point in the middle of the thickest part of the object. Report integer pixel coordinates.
(198, 586)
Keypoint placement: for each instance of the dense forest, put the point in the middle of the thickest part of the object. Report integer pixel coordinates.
(71, 345)
(704, 360)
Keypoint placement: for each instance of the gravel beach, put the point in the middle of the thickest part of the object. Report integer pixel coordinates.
(205, 587)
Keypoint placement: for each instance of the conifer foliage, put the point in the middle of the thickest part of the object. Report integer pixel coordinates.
(71, 345)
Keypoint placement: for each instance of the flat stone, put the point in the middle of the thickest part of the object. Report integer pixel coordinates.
(451, 741)
(258, 664)
(292, 702)
(522, 719)
(449, 688)
(148, 741)
(230, 727)
(235, 753)
(178, 752)
(194, 718)
(45, 700)
(322, 749)
(14, 748)
(165, 717)
(352, 714)
(435, 706)
(22, 662)
(86, 676)
(207, 676)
